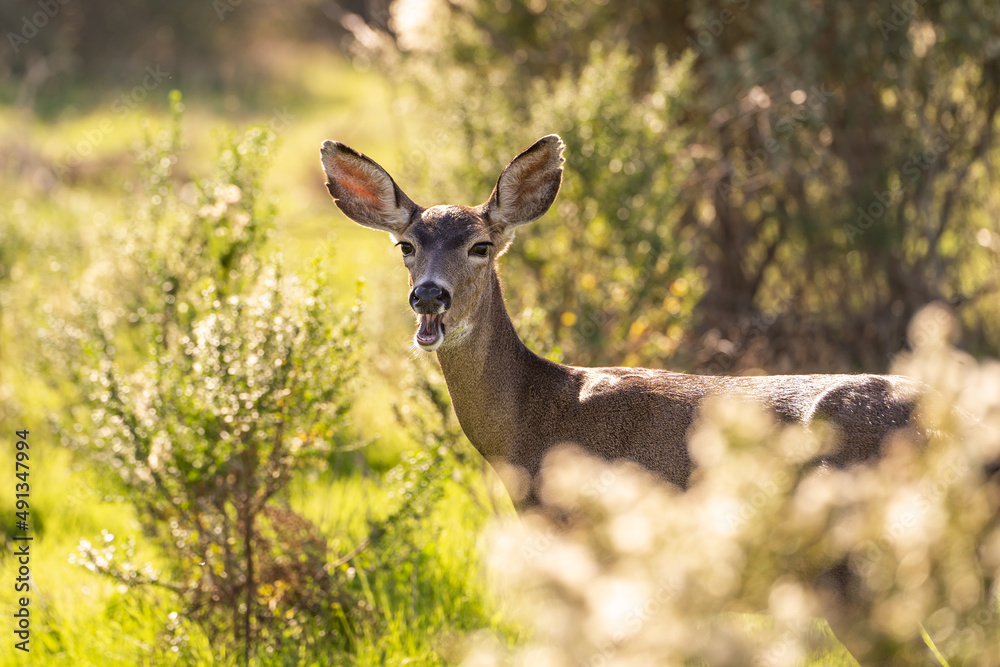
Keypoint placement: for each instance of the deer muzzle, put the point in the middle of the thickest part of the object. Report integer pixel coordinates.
(429, 301)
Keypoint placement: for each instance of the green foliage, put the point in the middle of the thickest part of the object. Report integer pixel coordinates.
(828, 192)
(208, 386)
(54, 52)
(851, 176)
(418, 482)
(709, 213)
(605, 263)
(414, 588)
(404, 546)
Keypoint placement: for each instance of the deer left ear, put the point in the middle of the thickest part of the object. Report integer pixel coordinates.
(527, 186)
(363, 190)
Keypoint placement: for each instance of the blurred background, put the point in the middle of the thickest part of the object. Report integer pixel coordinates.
(748, 188)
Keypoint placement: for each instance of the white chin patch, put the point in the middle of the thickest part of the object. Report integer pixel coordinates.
(430, 332)
(429, 347)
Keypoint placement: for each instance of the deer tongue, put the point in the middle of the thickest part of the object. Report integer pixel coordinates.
(431, 331)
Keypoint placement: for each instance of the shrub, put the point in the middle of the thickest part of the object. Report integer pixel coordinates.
(211, 378)
(648, 576)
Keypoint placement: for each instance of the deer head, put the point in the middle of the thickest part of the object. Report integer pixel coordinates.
(449, 251)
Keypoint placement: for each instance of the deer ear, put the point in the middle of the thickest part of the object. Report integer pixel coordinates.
(363, 190)
(528, 185)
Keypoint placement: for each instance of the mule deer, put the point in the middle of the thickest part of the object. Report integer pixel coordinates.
(515, 406)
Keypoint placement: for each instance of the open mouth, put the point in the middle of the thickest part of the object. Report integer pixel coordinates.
(430, 332)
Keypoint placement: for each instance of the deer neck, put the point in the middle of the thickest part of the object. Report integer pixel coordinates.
(485, 371)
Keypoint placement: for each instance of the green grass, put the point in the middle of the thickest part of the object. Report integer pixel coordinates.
(77, 617)
(422, 612)
(424, 608)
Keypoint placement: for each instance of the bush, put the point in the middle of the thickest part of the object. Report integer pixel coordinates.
(211, 378)
(648, 576)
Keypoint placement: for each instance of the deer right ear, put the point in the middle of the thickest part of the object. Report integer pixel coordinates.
(363, 190)
(528, 185)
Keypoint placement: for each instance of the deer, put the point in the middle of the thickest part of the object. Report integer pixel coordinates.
(515, 406)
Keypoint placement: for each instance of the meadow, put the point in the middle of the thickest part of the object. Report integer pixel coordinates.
(237, 456)
(52, 234)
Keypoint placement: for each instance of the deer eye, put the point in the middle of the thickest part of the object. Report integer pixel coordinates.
(406, 248)
(480, 249)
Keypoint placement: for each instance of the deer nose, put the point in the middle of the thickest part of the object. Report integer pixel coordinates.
(428, 298)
